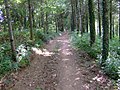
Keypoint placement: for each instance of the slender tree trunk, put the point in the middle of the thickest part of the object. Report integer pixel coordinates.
(10, 31)
(83, 23)
(39, 22)
(77, 16)
(111, 19)
(119, 20)
(4, 22)
(33, 17)
(30, 20)
(87, 21)
(80, 21)
(99, 18)
(105, 19)
(42, 15)
(72, 16)
(56, 23)
(25, 22)
(46, 25)
(92, 22)
(113, 29)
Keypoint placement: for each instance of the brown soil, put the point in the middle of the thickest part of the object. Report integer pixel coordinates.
(60, 67)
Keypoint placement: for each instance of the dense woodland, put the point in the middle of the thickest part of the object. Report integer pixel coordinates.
(93, 26)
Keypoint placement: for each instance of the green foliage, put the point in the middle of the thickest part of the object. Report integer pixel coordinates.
(112, 64)
(115, 45)
(4, 37)
(5, 66)
(23, 63)
(41, 37)
(5, 59)
(82, 42)
(23, 48)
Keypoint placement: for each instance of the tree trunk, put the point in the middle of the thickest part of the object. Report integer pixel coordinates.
(77, 16)
(99, 18)
(46, 25)
(83, 23)
(10, 31)
(72, 16)
(105, 24)
(113, 28)
(80, 15)
(33, 17)
(56, 23)
(111, 19)
(119, 20)
(30, 20)
(4, 22)
(92, 22)
(87, 21)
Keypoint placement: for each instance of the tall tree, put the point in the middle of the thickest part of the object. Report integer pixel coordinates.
(77, 15)
(105, 25)
(92, 21)
(99, 18)
(10, 31)
(87, 20)
(72, 16)
(119, 20)
(111, 19)
(30, 19)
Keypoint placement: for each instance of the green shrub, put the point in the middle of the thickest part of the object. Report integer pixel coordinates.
(5, 66)
(21, 40)
(82, 43)
(112, 65)
(23, 63)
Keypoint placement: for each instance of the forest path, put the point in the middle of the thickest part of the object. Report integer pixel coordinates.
(60, 67)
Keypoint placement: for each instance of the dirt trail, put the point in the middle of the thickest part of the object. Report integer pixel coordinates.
(60, 67)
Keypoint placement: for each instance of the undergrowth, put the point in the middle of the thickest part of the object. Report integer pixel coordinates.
(23, 48)
(112, 68)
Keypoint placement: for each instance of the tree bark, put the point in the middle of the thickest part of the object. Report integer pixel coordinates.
(92, 22)
(119, 20)
(105, 18)
(10, 31)
(111, 19)
(30, 20)
(33, 17)
(99, 18)
(113, 29)
(46, 25)
(80, 21)
(87, 21)
(77, 16)
(72, 16)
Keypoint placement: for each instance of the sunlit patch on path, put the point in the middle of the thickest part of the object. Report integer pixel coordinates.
(43, 52)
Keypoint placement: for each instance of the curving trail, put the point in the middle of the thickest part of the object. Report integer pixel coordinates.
(60, 67)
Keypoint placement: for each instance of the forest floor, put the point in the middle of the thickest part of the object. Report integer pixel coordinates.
(58, 66)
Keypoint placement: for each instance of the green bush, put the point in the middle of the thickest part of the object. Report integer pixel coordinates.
(23, 63)
(21, 40)
(82, 43)
(40, 35)
(112, 64)
(5, 66)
